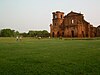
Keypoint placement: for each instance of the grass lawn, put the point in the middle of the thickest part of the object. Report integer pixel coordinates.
(49, 57)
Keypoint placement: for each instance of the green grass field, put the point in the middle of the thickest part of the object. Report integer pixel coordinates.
(49, 57)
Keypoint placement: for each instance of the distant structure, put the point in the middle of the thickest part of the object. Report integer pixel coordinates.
(72, 25)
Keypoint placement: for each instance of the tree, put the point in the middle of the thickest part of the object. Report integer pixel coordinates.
(32, 33)
(43, 33)
(0, 33)
(17, 33)
(24, 34)
(7, 33)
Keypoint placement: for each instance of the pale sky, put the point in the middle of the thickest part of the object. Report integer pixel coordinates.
(25, 15)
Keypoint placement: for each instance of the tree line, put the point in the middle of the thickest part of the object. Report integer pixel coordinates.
(13, 33)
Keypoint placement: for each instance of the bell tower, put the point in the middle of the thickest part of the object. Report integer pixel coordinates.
(57, 18)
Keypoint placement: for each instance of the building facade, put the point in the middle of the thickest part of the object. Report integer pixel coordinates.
(71, 25)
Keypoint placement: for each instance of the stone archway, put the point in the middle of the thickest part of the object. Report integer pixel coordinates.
(62, 34)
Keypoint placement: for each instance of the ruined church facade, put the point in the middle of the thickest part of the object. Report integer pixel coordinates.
(71, 25)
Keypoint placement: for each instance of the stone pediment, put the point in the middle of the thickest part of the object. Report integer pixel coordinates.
(73, 14)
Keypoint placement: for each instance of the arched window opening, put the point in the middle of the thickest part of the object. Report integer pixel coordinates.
(61, 16)
(72, 21)
(55, 16)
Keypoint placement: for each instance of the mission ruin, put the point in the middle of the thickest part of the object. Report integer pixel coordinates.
(72, 25)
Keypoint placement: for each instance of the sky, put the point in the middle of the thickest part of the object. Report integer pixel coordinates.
(25, 15)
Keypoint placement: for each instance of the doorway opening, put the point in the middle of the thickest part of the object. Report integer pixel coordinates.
(72, 33)
(82, 33)
(62, 34)
(53, 34)
(58, 34)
